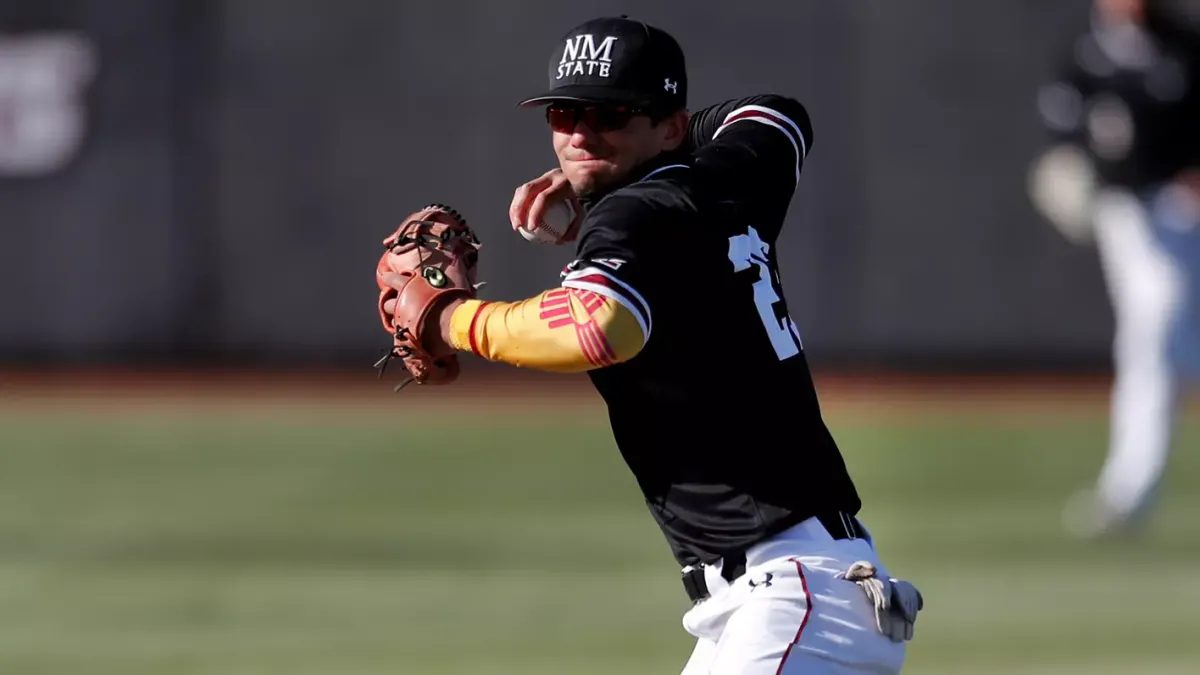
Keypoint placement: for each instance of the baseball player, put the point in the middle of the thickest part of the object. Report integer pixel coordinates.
(674, 308)
(1124, 171)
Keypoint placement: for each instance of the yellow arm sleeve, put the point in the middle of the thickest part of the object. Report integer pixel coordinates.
(566, 330)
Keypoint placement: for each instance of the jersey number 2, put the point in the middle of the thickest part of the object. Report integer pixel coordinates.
(749, 249)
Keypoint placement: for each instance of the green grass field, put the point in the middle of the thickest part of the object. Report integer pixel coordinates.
(250, 540)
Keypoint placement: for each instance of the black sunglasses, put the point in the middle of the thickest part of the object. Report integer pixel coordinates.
(599, 118)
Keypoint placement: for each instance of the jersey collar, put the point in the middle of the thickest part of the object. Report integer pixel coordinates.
(648, 169)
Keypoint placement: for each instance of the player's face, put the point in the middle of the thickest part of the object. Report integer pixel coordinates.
(598, 146)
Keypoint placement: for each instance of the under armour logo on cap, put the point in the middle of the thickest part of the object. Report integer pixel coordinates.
(670, 86)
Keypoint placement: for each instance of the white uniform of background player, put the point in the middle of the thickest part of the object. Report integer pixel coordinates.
(1124, 172)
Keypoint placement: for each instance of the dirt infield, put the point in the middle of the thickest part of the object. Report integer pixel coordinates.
(496, 387)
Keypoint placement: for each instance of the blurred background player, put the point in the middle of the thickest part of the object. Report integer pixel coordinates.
(1123, 171)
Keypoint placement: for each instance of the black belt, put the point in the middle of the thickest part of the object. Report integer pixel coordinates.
(840, 525)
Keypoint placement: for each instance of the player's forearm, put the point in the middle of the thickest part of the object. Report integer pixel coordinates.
(565, 330)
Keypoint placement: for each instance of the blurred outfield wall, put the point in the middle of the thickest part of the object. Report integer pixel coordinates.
(238, 161)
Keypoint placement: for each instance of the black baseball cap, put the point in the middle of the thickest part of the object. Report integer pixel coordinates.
(620, 61)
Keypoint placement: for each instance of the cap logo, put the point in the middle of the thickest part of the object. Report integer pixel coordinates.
(670, 86)
(582, 56)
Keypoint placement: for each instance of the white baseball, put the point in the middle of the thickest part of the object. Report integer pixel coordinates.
(555, 223)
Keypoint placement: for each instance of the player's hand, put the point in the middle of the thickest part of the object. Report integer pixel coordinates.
(1062, 186)
(531, 200)
(896, 601)
(427, 263)
(435, 331)
(1190, 179)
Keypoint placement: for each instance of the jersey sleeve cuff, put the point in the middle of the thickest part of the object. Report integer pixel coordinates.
(772, 118)
(598, 281)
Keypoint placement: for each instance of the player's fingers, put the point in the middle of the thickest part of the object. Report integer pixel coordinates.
(523, 200)
(537, 208)
(520, 204)
(573, 228)
(518, 211)
(557, 190)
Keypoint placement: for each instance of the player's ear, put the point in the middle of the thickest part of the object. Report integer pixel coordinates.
(674, 128)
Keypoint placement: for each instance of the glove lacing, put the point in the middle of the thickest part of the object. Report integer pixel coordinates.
(422, 240)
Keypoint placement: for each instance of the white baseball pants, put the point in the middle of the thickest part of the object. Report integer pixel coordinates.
(789, 614)
(1145, 252)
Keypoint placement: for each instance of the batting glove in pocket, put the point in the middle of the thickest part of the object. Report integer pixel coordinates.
(896, 601)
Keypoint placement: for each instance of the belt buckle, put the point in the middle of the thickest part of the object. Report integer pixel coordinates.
(694, 583)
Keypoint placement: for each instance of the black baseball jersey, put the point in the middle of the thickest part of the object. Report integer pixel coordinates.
(717, 416)
(1130, 96)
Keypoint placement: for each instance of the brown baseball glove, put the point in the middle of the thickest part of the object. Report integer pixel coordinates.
(430, 260)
